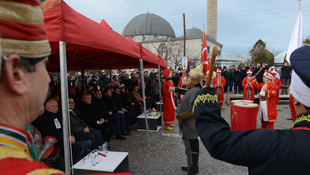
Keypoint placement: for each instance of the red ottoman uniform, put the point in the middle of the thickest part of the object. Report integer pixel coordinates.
(249, 94)
(168, 102)
(219, 83)
(292, 108)
(278, 84)
(270, 96)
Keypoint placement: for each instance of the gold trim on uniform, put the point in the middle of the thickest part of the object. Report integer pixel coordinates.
(29, 49)
(301, 118)
(204, 98)
(45, 172)
(19, 12)
(7, 151)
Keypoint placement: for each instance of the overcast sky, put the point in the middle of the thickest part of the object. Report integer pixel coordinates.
(240, 22)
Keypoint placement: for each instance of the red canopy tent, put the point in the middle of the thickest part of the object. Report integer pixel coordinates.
(90, 45)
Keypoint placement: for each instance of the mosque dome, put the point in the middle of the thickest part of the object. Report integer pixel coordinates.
(194, 32)
(279, 59)
(148, 24)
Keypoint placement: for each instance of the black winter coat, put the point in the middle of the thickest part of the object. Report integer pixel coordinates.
(238, 76)
(89, 114)
(286, 72)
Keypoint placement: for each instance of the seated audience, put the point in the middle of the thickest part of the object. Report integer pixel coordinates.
(136, 98)
(129, 106)
(81, 129)
(118, 115)
(50, 124)
(90, 115)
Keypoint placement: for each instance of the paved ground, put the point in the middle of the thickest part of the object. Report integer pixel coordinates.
(165, 154)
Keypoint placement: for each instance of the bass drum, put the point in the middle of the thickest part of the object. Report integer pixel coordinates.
(244, 116)
(232, 104)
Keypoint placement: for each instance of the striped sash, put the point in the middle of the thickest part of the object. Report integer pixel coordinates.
(16, 138)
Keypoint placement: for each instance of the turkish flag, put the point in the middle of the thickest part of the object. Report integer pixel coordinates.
(204, 54)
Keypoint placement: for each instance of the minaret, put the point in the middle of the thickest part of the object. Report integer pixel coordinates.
(212, 18)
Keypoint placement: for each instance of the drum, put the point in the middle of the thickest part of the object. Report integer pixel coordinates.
(237, 101)
(244, 116)
(240, 101)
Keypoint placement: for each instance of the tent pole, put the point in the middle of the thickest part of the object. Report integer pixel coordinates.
(144, 103)
(159, 84)
(83, 77)
(110, 75)
(64, 104)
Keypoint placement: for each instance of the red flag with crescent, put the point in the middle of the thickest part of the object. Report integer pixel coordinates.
(204, 54)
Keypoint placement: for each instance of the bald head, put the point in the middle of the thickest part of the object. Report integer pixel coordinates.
(51, 106)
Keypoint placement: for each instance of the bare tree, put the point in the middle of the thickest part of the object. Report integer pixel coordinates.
(172, 51)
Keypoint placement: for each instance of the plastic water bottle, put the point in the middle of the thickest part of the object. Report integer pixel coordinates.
(93, 158)
(97, 156)
(105, 147)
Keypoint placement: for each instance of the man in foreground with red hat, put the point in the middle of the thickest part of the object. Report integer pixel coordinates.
(168, 101)
(24, 84)
(266, 151)
(249, 84)
(219, 84)
(267, 105)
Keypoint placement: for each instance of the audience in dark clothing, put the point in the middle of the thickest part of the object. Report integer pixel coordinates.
(50, 124)
(238, 80)
(129, 106)
(81, 129)
(117, 115)
(91, 117)
(285, 77)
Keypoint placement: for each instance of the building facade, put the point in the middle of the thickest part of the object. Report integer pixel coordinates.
(157, 35)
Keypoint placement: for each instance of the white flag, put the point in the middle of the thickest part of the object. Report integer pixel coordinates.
(296, 38)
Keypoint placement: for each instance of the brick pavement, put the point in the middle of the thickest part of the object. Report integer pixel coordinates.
(165, 154)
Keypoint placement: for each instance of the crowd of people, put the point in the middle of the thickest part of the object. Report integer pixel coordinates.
(106, 108)
(234, 76)
(103, 109)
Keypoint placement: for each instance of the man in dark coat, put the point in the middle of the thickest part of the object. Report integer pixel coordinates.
(103, 79)
(91, 117)
(50, 124)
(129, 106)
(224, 73)
(81, 129)
(285, 77)
(265, 151)
(117, 115)
(238, 80)
(230, 78)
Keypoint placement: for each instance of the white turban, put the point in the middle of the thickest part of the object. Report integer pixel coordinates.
(299, 90)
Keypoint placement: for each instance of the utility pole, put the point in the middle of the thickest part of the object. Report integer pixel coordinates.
(184, 49)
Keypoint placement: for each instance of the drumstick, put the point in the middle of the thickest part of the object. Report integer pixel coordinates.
(258, 72)
(211, 68)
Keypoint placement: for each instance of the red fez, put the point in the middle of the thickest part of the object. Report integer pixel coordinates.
(166, 73)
